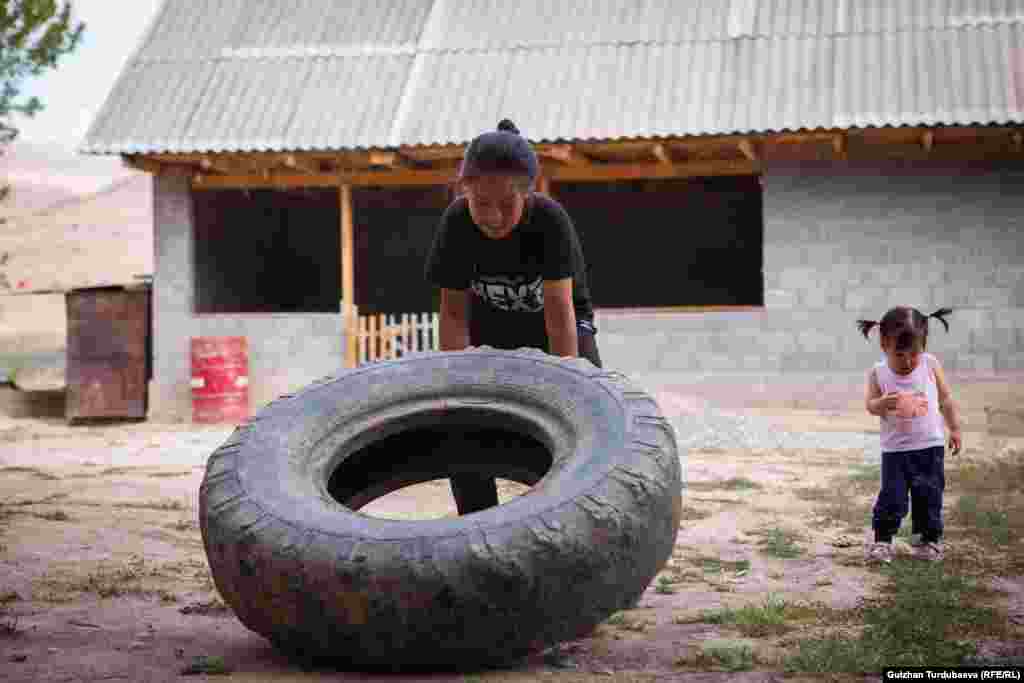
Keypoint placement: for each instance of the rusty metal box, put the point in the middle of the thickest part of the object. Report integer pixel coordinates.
(109, 352)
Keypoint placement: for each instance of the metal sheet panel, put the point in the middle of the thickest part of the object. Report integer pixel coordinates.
(351, 75)
(626, 91)
(955, 76)
(193, 30)
(251, 104)
(108, 354)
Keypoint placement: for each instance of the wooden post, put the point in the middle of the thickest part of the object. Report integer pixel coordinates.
(544, 185)
(348, 309)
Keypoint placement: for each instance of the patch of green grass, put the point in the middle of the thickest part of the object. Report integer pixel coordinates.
(209, 665)
(665, 586)
(768, 618)
(627, 623)
(925, 617)
(866, 478)
(617, 619)
(989, 521)
(781, 543)
(989, 510)
(726, 655)
(715, 564)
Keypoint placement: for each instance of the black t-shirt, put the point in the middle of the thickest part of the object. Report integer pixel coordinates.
(506, 277)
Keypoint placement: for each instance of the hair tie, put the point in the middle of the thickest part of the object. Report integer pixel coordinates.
(940, 316)
(865, 326)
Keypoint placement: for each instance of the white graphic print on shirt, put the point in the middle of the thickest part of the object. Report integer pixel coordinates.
(515, 293)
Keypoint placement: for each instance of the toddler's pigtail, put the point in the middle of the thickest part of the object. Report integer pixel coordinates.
(865, 326)
(940, 315)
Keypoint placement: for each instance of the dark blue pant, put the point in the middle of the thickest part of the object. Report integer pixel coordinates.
(922, 475)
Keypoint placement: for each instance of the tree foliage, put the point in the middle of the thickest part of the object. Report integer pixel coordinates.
(34, 36)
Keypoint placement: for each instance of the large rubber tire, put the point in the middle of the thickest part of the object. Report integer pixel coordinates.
(317, 577)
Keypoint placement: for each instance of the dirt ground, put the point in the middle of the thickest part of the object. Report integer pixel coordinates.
(103, 575)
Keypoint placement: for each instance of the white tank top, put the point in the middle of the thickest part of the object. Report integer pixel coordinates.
(911, 433)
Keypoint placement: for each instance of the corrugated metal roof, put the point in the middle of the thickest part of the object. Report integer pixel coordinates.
(933, 77)
(204, 29)
(251, 105)
(235, 75)
(497, 24)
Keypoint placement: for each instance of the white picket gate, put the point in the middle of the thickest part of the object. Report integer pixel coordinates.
(388, 336)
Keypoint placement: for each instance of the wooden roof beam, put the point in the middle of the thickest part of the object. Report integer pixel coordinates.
(562, 173)
(746, 146)
(566, 154)
(839, 145)
(143, 164)
(434, 153)
(392, 160)
(301, 163)
(208, 164)
(928, 140)
(662, 153)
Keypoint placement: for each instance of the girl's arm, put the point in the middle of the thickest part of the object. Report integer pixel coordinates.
(454, 333)
(874, 401)
(560, 317)
(948, 407)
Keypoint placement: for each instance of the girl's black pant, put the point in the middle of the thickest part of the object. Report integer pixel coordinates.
(921, 474)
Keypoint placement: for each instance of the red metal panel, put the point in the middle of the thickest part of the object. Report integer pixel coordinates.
(220, 379)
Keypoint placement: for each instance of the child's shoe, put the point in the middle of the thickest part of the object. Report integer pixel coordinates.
(930, 552)
(879, 553)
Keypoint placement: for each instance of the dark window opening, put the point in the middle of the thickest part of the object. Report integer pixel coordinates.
(394, 228)
(679, 242)
(267, 251)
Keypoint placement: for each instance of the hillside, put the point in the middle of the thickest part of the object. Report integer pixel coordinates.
(71, 221)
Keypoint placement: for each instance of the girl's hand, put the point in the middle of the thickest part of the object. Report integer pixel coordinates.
(955, 441)
(889, 402)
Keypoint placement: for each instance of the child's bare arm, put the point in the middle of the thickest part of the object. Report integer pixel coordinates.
(947, 406)
(874, 401)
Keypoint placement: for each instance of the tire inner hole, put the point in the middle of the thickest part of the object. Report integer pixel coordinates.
(422, 459)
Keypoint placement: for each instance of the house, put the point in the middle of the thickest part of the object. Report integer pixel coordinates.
(747, 178)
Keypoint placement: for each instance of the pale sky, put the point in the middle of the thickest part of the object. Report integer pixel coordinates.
(73, 93)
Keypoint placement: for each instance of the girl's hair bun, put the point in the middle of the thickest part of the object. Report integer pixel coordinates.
(507, 125)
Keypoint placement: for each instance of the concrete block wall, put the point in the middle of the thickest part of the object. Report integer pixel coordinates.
(840, 243)
(846, 242)
(286, 351)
